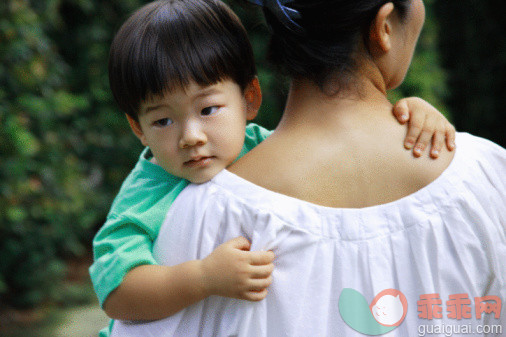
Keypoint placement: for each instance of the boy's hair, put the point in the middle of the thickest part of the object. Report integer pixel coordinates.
(169, 43)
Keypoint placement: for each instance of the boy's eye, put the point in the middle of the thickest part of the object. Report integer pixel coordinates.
(163, 122)
(209, 110)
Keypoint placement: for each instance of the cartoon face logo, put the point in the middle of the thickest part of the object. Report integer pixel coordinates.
(385, 313)
(389, 307)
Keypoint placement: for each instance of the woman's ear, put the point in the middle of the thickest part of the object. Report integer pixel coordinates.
(380, 35)
(253, 97)
(137, 130)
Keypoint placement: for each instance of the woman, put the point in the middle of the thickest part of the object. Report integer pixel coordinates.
(352, 221)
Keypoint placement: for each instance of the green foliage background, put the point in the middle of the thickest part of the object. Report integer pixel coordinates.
(473, 53)
(65, 147)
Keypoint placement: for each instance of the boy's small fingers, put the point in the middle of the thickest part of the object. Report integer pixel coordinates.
(240, 243)
(260, 272)
(437, 144)
(415, 126)
(256, 296)
(260, 284)
(401, 111)
(425, 138)
(414, 129)
(258, 258)
(450, 138)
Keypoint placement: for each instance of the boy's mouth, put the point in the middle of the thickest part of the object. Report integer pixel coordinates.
(198, 162)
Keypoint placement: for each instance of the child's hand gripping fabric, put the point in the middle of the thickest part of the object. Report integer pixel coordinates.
(231, 270)
(425, 124)
(151, 292)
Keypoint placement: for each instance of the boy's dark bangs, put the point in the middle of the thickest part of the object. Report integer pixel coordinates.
(182, 55)
(182, 46)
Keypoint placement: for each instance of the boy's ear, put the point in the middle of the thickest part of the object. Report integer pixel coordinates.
(380, 35)
(136, 128)
(253, 96)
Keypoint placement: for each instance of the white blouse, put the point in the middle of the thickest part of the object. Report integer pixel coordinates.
(443, 247)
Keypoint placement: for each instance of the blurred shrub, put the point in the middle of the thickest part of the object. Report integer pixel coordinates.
(64, 147)
(38, 195)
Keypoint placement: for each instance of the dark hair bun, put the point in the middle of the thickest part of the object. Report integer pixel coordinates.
(330, 30)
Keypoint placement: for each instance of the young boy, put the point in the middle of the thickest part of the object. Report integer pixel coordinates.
(183, 71)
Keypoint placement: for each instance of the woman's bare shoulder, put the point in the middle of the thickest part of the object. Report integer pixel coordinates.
(340, 175)
(424, 170)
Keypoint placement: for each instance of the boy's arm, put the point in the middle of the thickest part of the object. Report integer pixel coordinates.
(153, 292)
(426, 125)
(126, 239)
(120, 245)
(150, 292)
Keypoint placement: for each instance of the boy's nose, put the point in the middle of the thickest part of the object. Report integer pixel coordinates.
(192, 136)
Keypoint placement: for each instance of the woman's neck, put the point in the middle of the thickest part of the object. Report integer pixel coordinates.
(365, 98)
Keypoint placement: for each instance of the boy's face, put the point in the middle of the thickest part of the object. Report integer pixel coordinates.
(197, 132)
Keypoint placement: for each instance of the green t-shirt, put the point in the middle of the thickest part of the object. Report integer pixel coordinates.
(136, 215)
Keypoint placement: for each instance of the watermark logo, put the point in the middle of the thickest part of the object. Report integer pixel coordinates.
(458, 306)
(388, 310)
(385, 313)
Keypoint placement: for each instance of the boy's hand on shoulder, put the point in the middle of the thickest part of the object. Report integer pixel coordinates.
(232, 270)
(425, 125)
